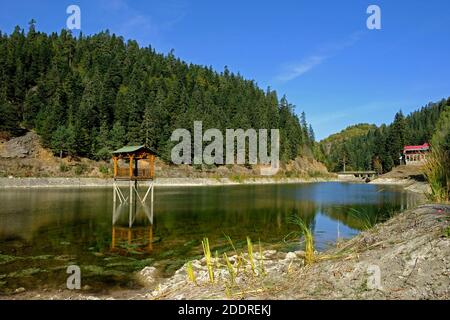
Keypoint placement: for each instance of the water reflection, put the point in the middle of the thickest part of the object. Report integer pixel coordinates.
(135, 239)
(42, 231)
(125, 240)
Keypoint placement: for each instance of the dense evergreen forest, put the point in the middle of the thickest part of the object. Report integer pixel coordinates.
(88, 95)
(367, 147)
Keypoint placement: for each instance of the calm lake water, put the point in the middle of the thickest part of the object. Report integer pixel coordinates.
(45, 230)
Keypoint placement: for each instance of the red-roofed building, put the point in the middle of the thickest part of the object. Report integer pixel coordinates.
(416, 154)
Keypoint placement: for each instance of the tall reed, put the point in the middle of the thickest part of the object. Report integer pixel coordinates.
(230, 269)
(238, 255)
(367, 220)
(262, 270)
(207, 253)
(437, 167)
(190, 272)
(250, 254)
(436, 171)
(307, 233)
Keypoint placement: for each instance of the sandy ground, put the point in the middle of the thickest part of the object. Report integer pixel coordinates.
(409, 177)
(407, 184)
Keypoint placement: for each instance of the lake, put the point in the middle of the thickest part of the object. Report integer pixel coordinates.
(43, 231)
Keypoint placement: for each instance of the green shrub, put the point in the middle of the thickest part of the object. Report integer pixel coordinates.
(80, 169)
(64, 167)
(104, 170)
(437, 168)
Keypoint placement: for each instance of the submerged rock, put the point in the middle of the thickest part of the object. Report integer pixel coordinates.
(148, 275)
(291, 256)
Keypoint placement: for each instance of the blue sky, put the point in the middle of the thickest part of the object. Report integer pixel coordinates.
(319, 53)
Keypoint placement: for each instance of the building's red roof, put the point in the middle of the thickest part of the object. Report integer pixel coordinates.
(425, 146)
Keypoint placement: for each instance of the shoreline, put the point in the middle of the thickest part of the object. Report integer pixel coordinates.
(66, 183)
(411, 185)
(35, 183)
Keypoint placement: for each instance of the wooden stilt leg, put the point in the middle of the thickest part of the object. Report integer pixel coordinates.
(130, 218)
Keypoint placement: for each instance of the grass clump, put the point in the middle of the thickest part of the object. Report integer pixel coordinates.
(80, 169)
(307, 233)
(230, 269)
(437, 168)
(235, 267)
(237, 178)
(208, 257)
(262, 270)
(239, 259)
(367, 220)
(104, 170)
(190, 272)
(447, 232)
(64, 167)
(437, 174)
(250, 254)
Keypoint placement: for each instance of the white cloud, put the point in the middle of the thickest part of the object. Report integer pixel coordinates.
(295, 70)
(147, 28)
(303, 67)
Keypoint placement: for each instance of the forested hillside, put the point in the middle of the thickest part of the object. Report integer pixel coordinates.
(353, 131)
(366, 147)
(88, 95)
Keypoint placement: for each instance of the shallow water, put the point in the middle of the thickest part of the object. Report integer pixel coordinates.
(42, 231)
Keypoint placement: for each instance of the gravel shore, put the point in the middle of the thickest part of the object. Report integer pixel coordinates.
(159, 182)
(407, 184)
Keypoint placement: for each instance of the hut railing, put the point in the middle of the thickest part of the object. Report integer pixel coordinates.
(141, 173)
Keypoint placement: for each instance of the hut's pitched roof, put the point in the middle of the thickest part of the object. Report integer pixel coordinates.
(131, 149)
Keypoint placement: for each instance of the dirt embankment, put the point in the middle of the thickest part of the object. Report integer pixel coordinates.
(24, 157)
(411, 177)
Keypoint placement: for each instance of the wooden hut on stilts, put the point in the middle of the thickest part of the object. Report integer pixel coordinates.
(134, 169)
(135, 165)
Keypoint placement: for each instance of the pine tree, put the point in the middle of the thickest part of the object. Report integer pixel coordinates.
(59, 141)
(397, 137)
(102, 143)
(117, 136)
(10, 120)
(312, 136)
